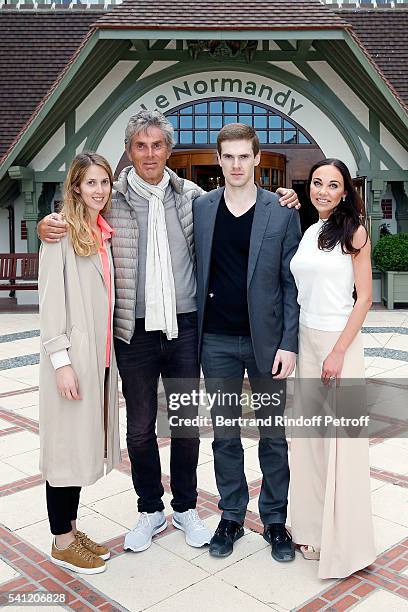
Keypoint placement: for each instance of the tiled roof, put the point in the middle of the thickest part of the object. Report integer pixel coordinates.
(34, 48)
(384, 33)
(222, 14)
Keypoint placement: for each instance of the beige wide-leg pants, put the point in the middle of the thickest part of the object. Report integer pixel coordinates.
(330, 496)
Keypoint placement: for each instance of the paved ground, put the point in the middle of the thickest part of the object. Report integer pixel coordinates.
(171, 576)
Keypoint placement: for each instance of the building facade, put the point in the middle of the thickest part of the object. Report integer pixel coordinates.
(316, 80)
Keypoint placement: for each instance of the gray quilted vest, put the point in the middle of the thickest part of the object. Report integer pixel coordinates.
(122, 219)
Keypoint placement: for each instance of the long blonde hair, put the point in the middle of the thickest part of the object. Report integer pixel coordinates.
(74, 209)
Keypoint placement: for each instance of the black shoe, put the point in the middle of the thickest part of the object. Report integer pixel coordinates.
(280, 539)
(222, 542)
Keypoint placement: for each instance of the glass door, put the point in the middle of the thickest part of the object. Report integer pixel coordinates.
(201, 166)
(271, 172)
(180, 162)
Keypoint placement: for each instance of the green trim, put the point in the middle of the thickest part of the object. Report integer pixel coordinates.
(21, 173)
(348, 127)
(51, 100)
(45, 176)
(172, 55)
(303, 46)
(91, 124)
(337, 33)
(9, 191)
(97, 120)
(392, 175)
(348, 67)
(69, 133)
(34, 135)
(377, 79)
(375, 189)
(285, 45)
(374, 126)
(140, 45)
(348, 119)
(99, 62)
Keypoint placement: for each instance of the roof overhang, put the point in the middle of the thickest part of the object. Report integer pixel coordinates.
(388, 96)
(116, 32)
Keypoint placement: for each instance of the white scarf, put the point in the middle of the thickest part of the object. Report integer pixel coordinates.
(160, 294)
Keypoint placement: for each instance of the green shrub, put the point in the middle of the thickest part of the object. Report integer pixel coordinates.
(391, 253)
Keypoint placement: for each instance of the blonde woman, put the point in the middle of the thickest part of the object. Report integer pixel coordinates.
(78, 376)
(330, 476)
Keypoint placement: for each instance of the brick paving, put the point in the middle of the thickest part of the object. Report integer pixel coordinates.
(35, 571)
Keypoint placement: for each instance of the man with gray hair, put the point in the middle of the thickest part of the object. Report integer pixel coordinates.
(155, 318)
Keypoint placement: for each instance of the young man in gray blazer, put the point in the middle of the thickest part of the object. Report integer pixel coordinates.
(248, 320)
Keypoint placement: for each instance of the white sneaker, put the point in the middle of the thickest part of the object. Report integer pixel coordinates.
(148, 525)
(197, 534)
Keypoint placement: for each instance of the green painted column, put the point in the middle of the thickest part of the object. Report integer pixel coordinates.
(376, 188)
(31, 213)
(402, 209)
(31, 191)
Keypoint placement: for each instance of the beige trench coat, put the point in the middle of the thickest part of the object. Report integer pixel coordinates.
(73, 316)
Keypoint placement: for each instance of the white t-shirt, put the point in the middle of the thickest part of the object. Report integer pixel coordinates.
(325, 283)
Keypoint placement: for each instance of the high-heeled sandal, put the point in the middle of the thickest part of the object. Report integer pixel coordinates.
(309, 552)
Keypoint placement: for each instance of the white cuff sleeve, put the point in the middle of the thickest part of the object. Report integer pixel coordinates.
(60, 359)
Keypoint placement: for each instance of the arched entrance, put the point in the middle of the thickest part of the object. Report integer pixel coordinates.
(202, 168)
(288, 151)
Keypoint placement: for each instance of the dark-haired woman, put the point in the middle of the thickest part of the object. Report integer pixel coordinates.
(330, 479)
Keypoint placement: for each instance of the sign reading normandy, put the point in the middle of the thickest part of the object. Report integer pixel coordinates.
(169, 92)
(223, 86)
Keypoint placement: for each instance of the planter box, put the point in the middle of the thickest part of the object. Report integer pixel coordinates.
(394, 288)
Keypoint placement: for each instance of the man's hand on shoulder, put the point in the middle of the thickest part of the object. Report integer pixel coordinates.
(52, 228)
(288, 198)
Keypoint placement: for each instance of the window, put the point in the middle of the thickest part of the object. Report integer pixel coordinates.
(198, 124)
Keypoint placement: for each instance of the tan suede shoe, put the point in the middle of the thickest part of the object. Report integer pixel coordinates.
(77, 558)
(97, 549)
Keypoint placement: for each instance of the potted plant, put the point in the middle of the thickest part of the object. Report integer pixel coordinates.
(390, 256)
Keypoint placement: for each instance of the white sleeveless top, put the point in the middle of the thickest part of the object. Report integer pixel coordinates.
(325, 283)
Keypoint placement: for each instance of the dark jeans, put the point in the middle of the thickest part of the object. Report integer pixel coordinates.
(149, 356)
(224, 361)
(62, 506)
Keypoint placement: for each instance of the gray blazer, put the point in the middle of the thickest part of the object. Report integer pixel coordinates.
(271, 289)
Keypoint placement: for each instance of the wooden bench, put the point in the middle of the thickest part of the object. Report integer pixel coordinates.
(19, 270)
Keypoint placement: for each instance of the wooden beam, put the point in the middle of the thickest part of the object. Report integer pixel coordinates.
(182, 56)
(303, 46)
(21, 173)
(324, 34)
(140, 45)
(350, 64)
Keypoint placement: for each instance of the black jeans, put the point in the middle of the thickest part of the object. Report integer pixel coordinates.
(149, 356)
(62, 506)
(224, 360)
